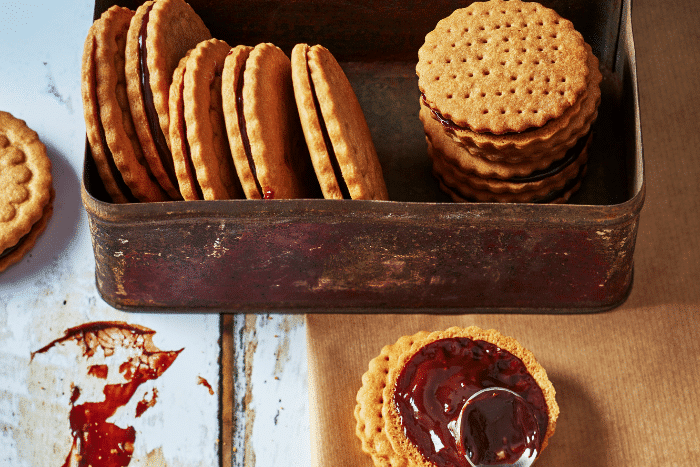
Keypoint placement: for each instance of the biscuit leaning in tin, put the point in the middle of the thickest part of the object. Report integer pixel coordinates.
(414, 390)
(160, 34)
(114, 146)
(26, 189)
(198, 138)
(335, 129)
(262, 123)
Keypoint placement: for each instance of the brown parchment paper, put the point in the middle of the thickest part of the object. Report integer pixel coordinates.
(626, 379)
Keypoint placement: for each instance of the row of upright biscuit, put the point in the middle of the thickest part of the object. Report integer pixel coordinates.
(172, 113)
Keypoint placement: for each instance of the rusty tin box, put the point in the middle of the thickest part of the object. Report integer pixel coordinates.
(416, 253)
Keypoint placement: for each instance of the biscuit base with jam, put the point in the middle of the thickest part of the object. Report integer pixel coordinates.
(415, 388)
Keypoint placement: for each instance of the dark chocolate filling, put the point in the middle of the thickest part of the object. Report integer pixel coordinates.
(244, 132)
(436, 382)
(161, 145)
(344, 191)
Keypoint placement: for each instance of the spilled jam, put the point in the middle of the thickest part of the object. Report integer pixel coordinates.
(97, 442)
(437, 381)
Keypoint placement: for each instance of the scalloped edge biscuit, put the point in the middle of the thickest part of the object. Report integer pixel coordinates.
(32, 191)
(555, 134)
(204, 120)
(486, 66)
(103, 85)
(275, 164)
(336, 132)
(540, 188)
(172, 29)
(379, 425)
(28, 241)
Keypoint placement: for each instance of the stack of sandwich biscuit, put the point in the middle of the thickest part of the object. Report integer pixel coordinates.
(509, 91)
(172, 113)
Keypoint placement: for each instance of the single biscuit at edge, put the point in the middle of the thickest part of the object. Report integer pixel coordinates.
(378, 422)
(25, 179)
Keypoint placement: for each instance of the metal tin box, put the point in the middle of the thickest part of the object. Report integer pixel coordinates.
(416, 253)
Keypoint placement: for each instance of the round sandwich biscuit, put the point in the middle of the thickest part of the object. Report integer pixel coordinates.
(262, 124)
(26, 189)
(462, 158)
(537, 184)
(199, 142)
(413, 391)
(502, 66)
(557, 193)
(335, 129)
(160, 34)
(114, 146)
(537, 143)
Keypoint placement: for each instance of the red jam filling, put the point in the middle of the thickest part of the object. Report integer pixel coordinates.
(440, 378)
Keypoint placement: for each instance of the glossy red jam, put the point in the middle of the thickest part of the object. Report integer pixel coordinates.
(437, 381)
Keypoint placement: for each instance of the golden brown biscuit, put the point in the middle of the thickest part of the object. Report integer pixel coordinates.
(262, 123)
(160, 34)
(200, 147)
(26, 189)
(536, 185)
(335, 129)
(464, 160)
(391, 410)
(110, 130)
(537, 143)
(502, 66)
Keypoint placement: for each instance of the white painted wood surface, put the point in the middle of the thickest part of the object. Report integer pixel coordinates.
(53, 289)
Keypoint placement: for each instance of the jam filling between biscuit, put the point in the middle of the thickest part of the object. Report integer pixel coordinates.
(342, 185)
(268, 194)
(161, 145)
(436, 382)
